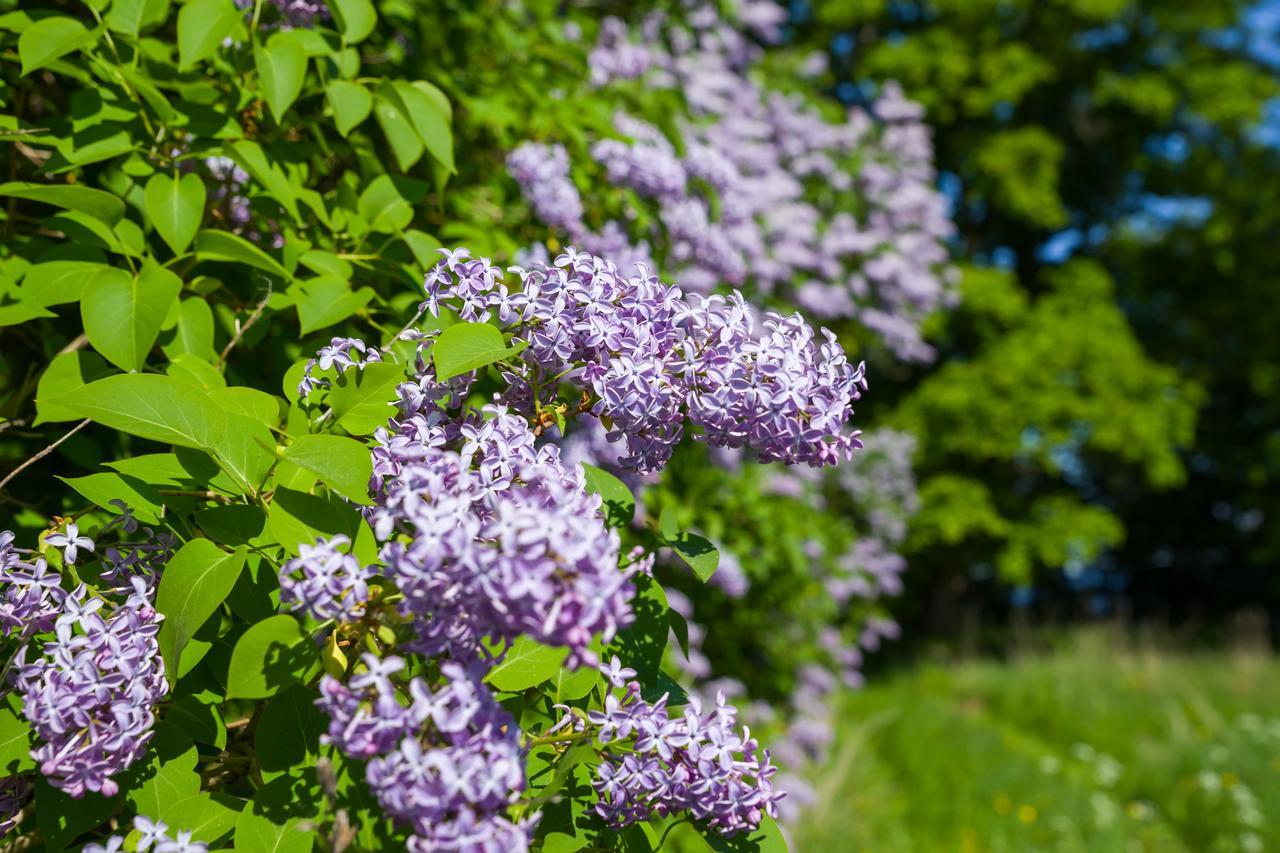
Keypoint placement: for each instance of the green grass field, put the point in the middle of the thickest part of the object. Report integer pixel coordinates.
(1089, 749)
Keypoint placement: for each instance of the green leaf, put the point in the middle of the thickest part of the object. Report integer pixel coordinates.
(123, 315)
(269, 657)
(232, 525)
(246, 450)
(569, 685)
(66, 373)
(175, 207)
(527, 663)
(642, 644)
(282, 68)
(128, 17)
(288, 734)
(214, 245)
(50, 39)
(393, 117)
(468, 346)
(159, 408)
(431, 122)
(250, 402)
(96, 203)
(343, 464)
(62, 820)
(202, 27)
(207, 816)
(196, 371)
(62, 279)
(425, 248)
(324, 301)
(196, 580)
(201, 720)
(696, 551)
(618, 504)
(193, 331)
(297, 518)
(15, 738)
(174, 779)
(254, 160)
(106, 486)
(351, 103)
(154, 468)
(277, 819)
(384, 204)
(363, 400)
(355, 18)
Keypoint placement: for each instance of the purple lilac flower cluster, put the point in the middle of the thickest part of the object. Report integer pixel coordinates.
(446, 763)
(228, 193)
(488, 535)
(91, 691)
(90, 696)
(761, 152)
(698, 762)
(301, 14)
(31, 596)
(153, 835)
(341, 354)
(325, 581)
(654, 358)
(543, 172)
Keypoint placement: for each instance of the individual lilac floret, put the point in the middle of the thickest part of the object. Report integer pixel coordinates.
(91, 696)
(341, 355)
(71, 543)
(445, 763)
(696, 763)
(326, 581)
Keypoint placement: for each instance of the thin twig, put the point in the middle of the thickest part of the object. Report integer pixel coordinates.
(77, 343)
(42, 454)
(189, 493)
(253, 318)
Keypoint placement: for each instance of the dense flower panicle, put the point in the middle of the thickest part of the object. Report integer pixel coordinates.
(489, 536)
(698, 763)
(325, 581)
(445, 763)
(91, 695)
(653, 358)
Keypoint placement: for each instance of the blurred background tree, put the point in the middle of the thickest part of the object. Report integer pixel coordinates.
(1114, 173)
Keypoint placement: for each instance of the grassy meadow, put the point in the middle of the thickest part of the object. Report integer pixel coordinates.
(1096, 747)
